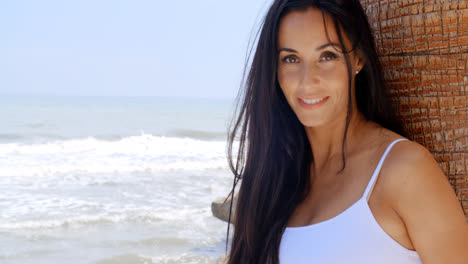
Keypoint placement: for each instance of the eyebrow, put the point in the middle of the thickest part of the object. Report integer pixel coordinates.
(317, 49)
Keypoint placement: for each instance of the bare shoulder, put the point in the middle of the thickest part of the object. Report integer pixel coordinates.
(422, 196)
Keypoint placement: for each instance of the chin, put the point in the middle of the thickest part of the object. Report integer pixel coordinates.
(312, 122)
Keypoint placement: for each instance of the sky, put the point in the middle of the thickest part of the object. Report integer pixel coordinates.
(183, 48)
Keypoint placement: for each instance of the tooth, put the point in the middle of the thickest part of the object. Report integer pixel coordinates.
(313, 101)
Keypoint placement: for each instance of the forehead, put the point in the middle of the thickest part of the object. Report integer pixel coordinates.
(299, 29)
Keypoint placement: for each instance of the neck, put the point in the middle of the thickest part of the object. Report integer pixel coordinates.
(326, 141)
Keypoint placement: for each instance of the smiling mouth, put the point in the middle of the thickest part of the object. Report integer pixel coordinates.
(313, 103)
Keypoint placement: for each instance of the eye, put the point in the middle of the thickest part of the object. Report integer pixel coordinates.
(328, 56)
(288, 59)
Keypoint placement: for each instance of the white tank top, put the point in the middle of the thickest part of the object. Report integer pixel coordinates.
(352, 237)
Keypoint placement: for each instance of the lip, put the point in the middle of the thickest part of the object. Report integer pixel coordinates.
(313, 106)
(312, 97)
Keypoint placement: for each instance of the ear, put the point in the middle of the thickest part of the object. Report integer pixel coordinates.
(360, 60)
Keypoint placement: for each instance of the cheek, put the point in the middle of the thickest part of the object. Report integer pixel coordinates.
(336, 80)
(334, 72)
(287, 81)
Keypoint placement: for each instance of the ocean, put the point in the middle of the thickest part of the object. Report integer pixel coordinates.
(106, 180)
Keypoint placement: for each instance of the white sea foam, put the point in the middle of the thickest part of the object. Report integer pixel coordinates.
(143, 153)
(165, 259)
(137, 215)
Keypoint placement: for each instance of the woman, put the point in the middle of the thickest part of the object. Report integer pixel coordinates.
(316, 132)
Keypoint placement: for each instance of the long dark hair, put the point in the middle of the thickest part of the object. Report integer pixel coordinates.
(274, 154)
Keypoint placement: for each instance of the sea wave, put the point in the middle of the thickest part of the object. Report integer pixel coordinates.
(142, 153)
(130, 216)
(199, 134)
(165, 259)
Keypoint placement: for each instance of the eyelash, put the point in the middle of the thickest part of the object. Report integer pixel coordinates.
(328, 54)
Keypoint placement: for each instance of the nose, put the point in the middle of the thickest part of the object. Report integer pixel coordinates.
(310, 76)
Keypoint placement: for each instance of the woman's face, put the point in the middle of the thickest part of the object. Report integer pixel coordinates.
(310, 68)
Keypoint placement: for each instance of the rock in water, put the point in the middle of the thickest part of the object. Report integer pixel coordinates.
(220, 208)
(222, 259)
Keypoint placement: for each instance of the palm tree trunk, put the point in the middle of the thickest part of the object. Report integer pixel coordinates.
(423, 48)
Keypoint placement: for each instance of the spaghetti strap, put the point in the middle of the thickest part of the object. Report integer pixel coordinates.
(373, 179)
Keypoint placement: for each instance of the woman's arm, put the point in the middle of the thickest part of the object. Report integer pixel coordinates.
(429, 207)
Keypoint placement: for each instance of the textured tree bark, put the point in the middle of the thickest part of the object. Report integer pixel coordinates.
(423, 48)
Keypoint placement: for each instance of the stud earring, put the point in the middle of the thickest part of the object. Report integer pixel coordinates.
(357, 72)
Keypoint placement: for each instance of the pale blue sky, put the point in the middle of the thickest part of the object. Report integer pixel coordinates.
(193, 48)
